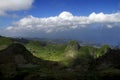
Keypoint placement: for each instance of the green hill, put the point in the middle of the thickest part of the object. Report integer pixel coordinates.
(41, 60)
(16, 62)
(4, 42)
(47, 51)
(56, 52)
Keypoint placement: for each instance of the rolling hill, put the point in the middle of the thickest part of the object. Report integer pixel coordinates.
(22, 59)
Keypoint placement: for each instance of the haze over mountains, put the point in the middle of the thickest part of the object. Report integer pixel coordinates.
(99, 28)
(88, 21)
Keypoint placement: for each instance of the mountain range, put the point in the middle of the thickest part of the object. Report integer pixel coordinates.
(24, 59)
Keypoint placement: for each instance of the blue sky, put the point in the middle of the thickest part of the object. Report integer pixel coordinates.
(86, 20)
(46, 8)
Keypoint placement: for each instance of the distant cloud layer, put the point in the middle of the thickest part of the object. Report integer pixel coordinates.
(64, 21)
(14, 5)
(96, 27)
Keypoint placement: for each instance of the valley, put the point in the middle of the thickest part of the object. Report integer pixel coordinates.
(22, 59)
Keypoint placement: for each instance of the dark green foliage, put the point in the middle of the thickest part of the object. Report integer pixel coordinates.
(102, 50)
(50, 61)
(4, 42)
(110, 59)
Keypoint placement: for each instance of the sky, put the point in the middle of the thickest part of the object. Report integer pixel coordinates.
(83, 20)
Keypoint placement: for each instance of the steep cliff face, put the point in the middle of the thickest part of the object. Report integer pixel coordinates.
(72, 50)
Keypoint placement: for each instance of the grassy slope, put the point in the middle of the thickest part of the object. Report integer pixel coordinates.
(47, 51)
(102, 50)
(4, 42)
(56, 52)
(60, 52)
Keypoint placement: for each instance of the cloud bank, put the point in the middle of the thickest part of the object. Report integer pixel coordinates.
(14, 5)
(96, 27)
(65, 21)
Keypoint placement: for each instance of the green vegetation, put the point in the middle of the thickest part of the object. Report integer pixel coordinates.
(29, 59)
(64, 53)
(57, 52)
(46, 51)
(101, 51)
(4, 42)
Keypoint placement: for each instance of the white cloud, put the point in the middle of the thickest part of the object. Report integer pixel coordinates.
(64, 21)
(14, 5)
(66, 15)
(2, 13)
(101, 17)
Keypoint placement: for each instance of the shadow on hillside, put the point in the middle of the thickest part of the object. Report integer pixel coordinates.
(17, 63)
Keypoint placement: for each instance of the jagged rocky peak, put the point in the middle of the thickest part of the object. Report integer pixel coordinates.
(71, 51)
(73, 45)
